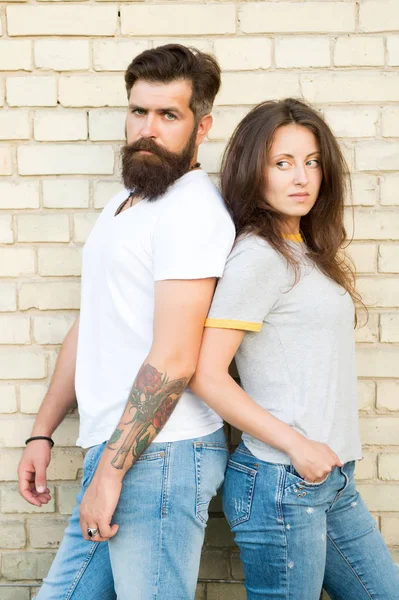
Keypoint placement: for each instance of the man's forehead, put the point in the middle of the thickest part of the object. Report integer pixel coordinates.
(148, 94)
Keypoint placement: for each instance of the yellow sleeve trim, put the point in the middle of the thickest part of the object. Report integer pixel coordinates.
(294, 237)
(230, 324)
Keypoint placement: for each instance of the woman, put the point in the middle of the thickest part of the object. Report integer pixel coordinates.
(285, 308)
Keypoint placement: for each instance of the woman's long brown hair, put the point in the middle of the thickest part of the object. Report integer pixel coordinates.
(243, 183)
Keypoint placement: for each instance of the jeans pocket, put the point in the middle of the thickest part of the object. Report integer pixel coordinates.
(238, 491)
(293, 478)
(210, 465)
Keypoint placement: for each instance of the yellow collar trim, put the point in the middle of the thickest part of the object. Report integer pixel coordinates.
(294, 237)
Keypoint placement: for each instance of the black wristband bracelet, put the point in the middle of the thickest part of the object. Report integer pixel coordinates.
(40, 437)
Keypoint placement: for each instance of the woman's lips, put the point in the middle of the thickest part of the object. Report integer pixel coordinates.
(299, 197)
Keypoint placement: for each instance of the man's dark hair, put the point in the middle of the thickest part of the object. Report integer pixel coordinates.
(174, 62)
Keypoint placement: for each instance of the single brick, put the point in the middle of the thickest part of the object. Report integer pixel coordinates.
(15, 55)
(342, 86)
(8, 397)
(359, 51)
(388, 395)
(31, 90)
(390, 327)
(104, 191)
(364, 190)
(50, 296)
(52, 329)
(82, 225)
(43, 228)
(10, 458)
(367, 331)
(107, 125)
(390, 530)
(65, 159)
(226, 591)
(12, 502)
(31, 397)
(14, 124)
(372, 224)
(60, 125)
(66, 434)
(393, 50)
(379, 430)
(116, 55)
(218, 533)
(366, 394)
(5, 161)
(161, 19)
(388, 466)
(390, 121)
(297, 52)
(365, 468)
(15, 262)
(379, 15)
(381, 291)
(60, 261)
(6, 232)
(243, 54)
(18, 566)
(67, 497)
(46, 533)
(8, 297)
(251, 88)
(19, 194)
(376, 362)
(377, 156)
(364, 256)
(210, 156)
(15, 592)
(225, 121)
(65, 193)
(92, 91)
(62, 55)
(214, 565)
(303, 17)
(380, 497)
(389, 184)
(61, 20)
(388, 258)
(353, 122)
(14, 329)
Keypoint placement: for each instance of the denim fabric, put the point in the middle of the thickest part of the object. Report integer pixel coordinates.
(162, 514)
(296, 537)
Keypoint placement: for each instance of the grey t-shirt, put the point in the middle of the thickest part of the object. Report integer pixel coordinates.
(297, 359)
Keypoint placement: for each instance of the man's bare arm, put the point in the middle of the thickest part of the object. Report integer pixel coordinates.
(180, 311)
(58, 401)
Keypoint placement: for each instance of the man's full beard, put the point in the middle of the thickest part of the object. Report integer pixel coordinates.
(150, 175)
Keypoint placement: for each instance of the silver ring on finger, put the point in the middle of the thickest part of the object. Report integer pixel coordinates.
(92, 531)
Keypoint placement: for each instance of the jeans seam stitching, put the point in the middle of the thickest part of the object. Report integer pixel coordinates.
(81, 571)
(350, 566)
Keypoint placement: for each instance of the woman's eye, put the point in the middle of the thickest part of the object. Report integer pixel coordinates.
(282, 163)
(313, 163)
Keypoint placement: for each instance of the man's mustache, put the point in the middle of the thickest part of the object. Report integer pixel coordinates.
(147, 145)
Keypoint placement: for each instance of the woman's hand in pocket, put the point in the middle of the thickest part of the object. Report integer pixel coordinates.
(313, 461)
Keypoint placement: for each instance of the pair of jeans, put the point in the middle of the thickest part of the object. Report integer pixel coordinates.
(296, 537)
(162, 515)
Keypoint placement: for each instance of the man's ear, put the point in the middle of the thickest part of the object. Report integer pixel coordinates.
(203, 127)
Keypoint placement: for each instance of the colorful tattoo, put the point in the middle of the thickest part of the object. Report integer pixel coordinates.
(152, 400)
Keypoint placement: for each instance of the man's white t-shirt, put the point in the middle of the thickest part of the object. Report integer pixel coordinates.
(185, 234)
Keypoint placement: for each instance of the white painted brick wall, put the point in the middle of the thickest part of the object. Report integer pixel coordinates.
(61, 126)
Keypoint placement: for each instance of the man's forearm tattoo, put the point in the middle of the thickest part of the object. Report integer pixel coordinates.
(151, 402)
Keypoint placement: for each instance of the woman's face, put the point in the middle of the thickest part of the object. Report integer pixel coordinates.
(293, 173)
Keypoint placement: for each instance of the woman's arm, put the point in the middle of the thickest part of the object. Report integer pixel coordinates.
(212, 382)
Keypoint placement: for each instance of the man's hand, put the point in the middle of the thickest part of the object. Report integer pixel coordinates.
(313, 460)
(32, 472)
(98, 506)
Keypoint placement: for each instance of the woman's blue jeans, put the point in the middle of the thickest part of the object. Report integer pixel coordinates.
(296, 537)
(162, 515)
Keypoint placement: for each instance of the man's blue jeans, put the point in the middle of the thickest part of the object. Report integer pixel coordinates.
(296, 537)
(162, 515)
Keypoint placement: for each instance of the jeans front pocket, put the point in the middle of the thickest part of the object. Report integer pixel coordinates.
(238, 491)
(210, 465)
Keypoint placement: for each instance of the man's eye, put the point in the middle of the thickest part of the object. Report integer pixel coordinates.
(138, 111)
(170, 117)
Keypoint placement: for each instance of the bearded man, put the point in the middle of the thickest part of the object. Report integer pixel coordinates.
(157, 453)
